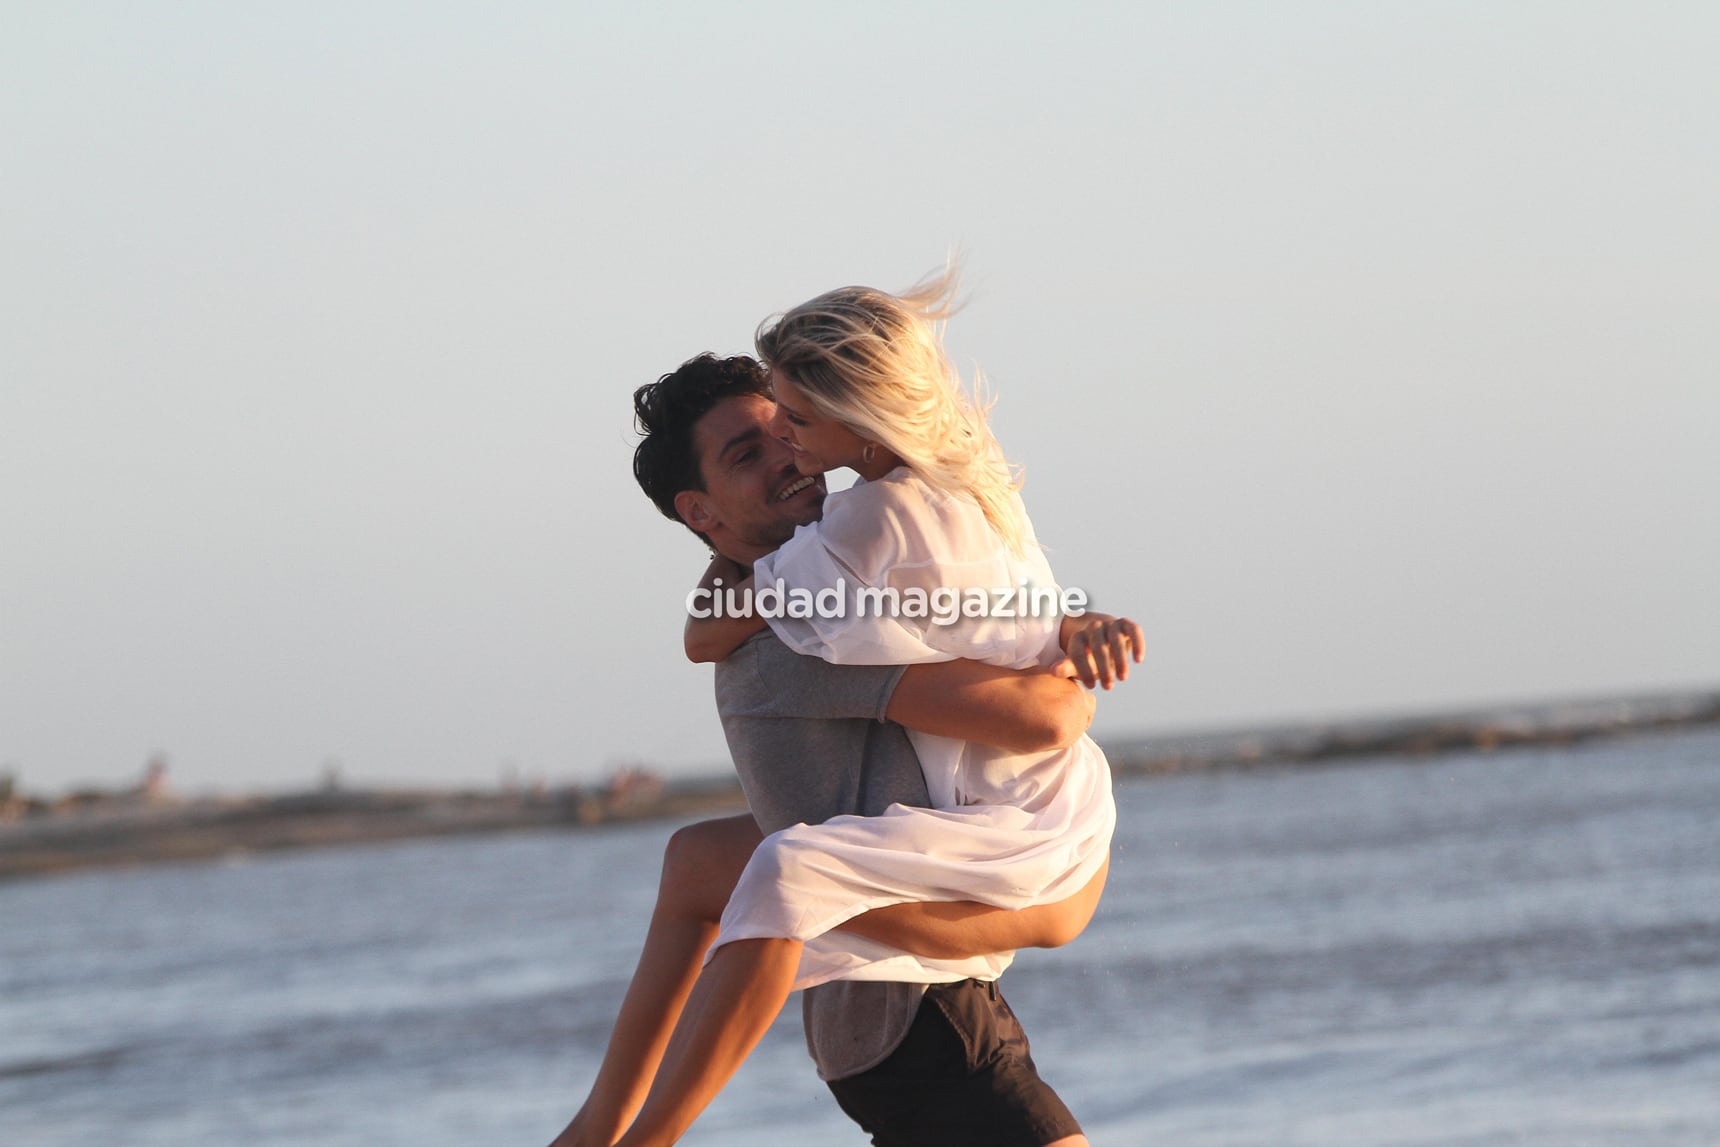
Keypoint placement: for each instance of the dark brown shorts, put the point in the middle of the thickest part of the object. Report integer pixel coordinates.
(963, 1077)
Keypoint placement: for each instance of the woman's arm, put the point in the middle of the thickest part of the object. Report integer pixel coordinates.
(714, 638)
(1097, 648)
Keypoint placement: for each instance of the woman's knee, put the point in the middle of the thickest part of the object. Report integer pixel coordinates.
(1066, 919)
(702, 862)
(1059, 924)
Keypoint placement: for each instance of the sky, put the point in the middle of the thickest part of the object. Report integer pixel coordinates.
(1365, 352)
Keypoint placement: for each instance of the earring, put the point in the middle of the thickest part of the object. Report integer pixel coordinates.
(871, 450)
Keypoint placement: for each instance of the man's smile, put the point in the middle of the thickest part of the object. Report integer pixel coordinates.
(797, 486)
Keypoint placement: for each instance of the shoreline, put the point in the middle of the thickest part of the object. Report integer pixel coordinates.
(128, 833)
(1429, 734)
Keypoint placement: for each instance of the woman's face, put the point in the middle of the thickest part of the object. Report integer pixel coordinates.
(819, 443)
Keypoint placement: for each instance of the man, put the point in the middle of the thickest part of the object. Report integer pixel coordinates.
(945, 1065)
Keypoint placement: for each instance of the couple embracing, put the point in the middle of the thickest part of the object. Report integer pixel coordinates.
(924, 798)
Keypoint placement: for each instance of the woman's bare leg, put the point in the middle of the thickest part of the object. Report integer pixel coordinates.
(746, 984)
(957, 929)
(700, 867)
(740, 993)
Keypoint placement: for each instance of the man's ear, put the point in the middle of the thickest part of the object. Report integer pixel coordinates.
(695, 509)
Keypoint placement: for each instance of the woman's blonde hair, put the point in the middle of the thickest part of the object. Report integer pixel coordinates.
(875, 362)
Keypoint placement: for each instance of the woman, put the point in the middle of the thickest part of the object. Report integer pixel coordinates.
(862, 382)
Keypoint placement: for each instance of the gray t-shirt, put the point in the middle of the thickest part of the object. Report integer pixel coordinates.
(810, 742)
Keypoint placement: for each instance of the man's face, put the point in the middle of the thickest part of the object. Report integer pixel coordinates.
(754, 497)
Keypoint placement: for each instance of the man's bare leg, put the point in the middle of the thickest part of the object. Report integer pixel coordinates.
(700, 867)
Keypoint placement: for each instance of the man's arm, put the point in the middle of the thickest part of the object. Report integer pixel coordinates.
(1021, 711)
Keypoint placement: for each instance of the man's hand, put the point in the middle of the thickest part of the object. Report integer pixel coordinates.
(1097, 649)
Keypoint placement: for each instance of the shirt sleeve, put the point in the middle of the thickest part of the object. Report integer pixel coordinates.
(801, 686)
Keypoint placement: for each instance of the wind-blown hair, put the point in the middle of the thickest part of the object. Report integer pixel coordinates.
(665, 412)
(875, 362)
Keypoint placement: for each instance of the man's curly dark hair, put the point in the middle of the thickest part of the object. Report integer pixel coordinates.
(664, 412)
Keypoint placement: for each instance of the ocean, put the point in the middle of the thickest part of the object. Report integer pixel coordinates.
(1517, 947)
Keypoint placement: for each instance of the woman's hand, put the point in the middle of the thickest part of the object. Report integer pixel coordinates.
(1097, 648)
(713, 638)
(721, 571)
